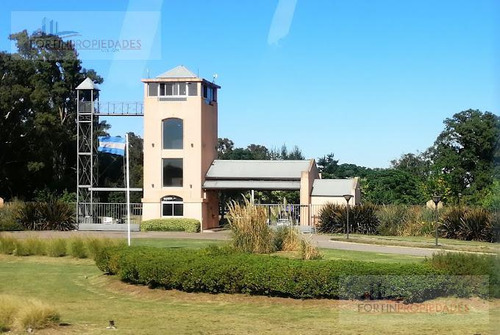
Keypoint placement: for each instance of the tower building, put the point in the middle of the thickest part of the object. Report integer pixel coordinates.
(180, 144)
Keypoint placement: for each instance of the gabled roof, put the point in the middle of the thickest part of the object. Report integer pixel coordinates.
(333, 187)
(273, 185)
(257, 169)
(87, 84)
(178, 72)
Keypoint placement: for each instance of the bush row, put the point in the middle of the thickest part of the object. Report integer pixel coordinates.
(400, 220)
(171, 224)
(218, 270)
(362, 219)
(51, 215)
(57, 247)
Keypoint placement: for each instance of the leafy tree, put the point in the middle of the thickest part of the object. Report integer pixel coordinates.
(392, 186)
(37, 115)
(330, 169)
(284, 154)
(224, 148)
(418, 165)
(466, 154)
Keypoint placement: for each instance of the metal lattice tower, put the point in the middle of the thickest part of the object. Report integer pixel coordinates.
(88, 110)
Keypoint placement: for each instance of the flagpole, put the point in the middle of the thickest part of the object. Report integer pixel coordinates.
(128, 189)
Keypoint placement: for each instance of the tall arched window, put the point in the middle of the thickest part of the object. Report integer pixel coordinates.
(173, 133)
(172, 205)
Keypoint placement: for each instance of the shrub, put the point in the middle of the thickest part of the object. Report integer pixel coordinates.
(28, 247)
(37, 315)
(403, 220)
(56, 247)
(29, 217)
(222, 271)
(171, 224)
(249, 228)
(20, 315)
(308, 251)
(393, 218)
(77, 248)
(462, 264)
(7, 244)
(57, 215)
(286, 239)
(8, 219)
(51, 215)
(468, 224)
(362, 219)
(95, 245)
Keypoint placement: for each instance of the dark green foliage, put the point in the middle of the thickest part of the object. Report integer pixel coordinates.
(462, 264)
(52, 215)
(37, 116)
(8, 220)
(362, 219)
(466, 154)
(29, 217)
(216, 270)
(468, 224)
(173, 224)
(393, 186)
(57, 215)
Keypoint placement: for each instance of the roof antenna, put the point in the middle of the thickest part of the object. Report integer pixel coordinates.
(214, 77)
(147, 71)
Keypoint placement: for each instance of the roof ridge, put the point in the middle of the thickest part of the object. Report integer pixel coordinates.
(180, 71)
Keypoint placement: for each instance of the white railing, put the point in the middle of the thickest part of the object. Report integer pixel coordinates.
(293, 214)
(109, 213)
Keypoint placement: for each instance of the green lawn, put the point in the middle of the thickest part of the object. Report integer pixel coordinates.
(87, 300)
(327, 253)
(176, 242)
(421, 242)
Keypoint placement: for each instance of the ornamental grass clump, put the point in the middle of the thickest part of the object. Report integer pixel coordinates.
(249, 227)
(56, 247)
(308, 251)
(21, 315)
(286, 239)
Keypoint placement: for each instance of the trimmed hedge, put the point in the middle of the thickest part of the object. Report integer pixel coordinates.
(217, 270)
(171, 224)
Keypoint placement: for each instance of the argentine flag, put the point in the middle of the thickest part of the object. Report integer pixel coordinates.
(112, 145)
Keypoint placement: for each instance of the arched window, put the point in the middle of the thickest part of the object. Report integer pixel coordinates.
(172, 205)
(172, 133)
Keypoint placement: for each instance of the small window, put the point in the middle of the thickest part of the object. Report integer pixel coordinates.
(182, 89)
(209, 93)
(172, 172)
(172, 206)
(173, 89)
(193, 89)
(172, 133)
(153, 89)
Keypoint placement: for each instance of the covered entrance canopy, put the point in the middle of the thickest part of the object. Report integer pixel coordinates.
(257, 175)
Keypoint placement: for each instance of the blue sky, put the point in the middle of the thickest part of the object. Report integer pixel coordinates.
(367, 80)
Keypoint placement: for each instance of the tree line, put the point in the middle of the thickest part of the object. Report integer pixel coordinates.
(38, 142)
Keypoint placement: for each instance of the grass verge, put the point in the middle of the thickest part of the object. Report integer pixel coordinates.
(88, 300)
(421, 242)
